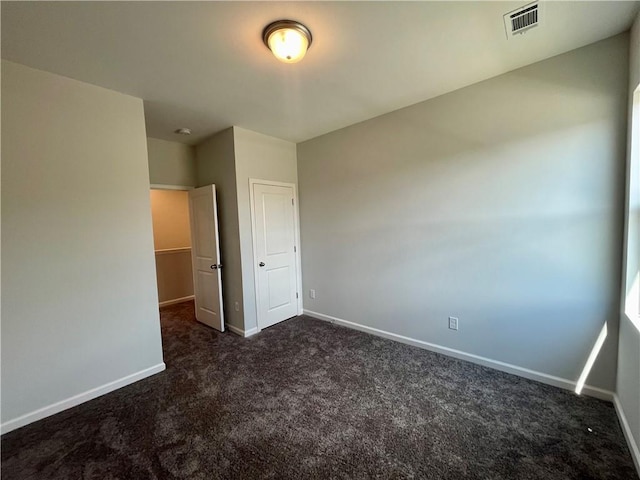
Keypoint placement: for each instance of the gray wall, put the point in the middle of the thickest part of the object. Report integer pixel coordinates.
(228, 159)
(628, 381)
(79, 304)
(266, 158)
(171, 163)
(499, 203)
(215, 164)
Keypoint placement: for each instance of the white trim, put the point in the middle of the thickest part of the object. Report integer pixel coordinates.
(296, 231)
(70, 402)
(628, 435)
(241, 332)
(176, 300)
(487, 362)
(159, 186)
(296, 219)
(169, 251)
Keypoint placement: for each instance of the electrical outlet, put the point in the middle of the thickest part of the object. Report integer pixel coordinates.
(312, 293)
(453, 323)
(237, 306)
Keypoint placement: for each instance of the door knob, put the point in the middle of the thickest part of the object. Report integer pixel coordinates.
(261, 264)
(214, 267)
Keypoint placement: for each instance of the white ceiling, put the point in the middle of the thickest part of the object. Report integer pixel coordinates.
(203, 65)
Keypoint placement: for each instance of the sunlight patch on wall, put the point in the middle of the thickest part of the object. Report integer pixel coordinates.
(592, 359)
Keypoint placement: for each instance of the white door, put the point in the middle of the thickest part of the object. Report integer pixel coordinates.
(275, 253)
(205, 256)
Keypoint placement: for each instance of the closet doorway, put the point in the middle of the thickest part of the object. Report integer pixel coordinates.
(172, 244)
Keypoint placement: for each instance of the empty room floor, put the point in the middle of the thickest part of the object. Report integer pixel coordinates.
(308, 399)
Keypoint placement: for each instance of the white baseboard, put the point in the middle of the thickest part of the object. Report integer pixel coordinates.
(58, 407)
(628, 435)
(487, 362)
(176, 300)
(241, 332)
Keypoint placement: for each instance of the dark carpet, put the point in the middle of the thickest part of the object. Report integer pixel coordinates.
(307, 399)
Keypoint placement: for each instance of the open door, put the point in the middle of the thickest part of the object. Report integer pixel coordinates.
(205, 256)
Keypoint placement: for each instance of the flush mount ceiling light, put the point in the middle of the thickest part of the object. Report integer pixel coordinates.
(287, 39)
(183, 131)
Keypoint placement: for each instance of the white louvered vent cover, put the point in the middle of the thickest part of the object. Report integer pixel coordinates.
(522, 19)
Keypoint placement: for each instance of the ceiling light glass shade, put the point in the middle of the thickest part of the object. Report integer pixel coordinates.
(288, 40)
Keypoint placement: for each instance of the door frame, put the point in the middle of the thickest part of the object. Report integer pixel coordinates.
(254, 242)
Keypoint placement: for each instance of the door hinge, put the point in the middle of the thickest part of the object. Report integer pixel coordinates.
(296, 294)
(292, 201)
(294, 249)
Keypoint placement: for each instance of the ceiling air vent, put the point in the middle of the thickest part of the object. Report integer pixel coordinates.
(522, 19)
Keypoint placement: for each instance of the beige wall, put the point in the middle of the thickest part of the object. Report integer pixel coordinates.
(628, 381)
(79, 303)
(266, 158)
(171, 231)
(170, 214)
(171, 163)
(215, 161)
(174, 275)
(499, 204)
